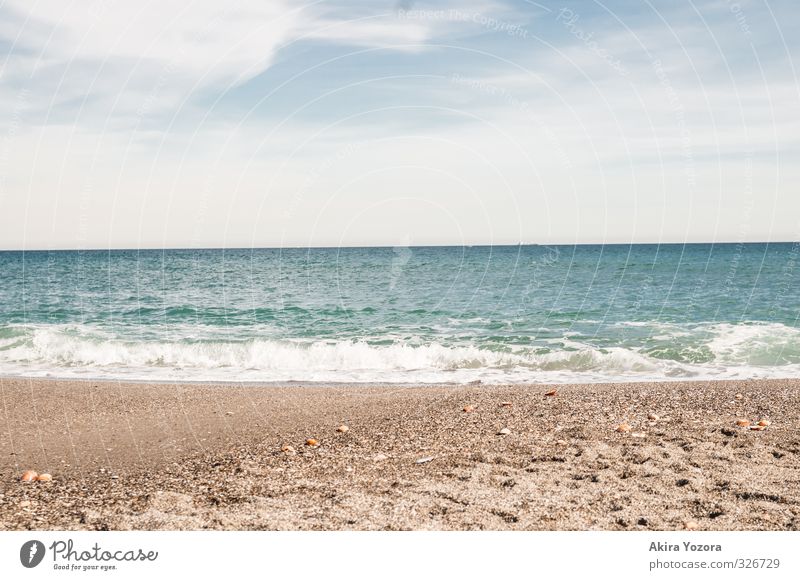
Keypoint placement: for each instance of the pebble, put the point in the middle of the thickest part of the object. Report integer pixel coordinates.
(551, 393)
(742, 423)
(424, 460)
(652, 417)
(229, 413)
(691, 525)
(623, 428)
(29, 475)
(343, 429)
(504, 431)
(44, 477)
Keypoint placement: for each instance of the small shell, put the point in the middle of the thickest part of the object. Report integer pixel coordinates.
(765, 423)
(469, 409)
(623, 428)
(25, 503)
(691, 525)
(551, 393)
(312, 442)
(343, 429)
(44, 477)
(757, 427)
(29, 475)
(739, 396)
(742, 423)
(504, 431)
(424, 460)
(288, 449)
(652, 417)
(379, 457)
(505, 404)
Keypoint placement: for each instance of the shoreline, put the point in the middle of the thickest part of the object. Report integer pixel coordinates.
(631, 380)
(142, 455)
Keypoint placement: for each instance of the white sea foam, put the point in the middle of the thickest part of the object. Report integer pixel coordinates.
(744, 350)
(755, 344)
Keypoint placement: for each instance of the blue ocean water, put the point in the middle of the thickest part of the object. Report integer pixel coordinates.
(505, 314)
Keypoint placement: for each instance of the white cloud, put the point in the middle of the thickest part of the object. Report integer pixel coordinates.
(126, 58)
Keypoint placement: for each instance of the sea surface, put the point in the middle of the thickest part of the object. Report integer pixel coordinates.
(507, 314)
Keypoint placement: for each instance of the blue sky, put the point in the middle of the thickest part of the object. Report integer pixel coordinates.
(156, 124)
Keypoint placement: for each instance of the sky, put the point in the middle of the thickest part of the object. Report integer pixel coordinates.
(282, 123)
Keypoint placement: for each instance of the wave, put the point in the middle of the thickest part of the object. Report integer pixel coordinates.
(746, 350)
(756, 344)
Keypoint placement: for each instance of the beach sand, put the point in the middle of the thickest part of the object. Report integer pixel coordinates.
(191, 456)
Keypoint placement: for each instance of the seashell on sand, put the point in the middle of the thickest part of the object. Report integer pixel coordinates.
(44, 477)
(623, 428)
(29, 475)
(691, 525)
(422, 460)
(343, 428)
(757, 427)
(765, 423)
(504, 431)
(288, 449)
(652, 417)
(469, 408)
(742, 423)
(551, 393)
(505, 404)
(312, 442)
(739, 396)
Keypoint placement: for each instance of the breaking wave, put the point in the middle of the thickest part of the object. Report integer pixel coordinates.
(746, 350)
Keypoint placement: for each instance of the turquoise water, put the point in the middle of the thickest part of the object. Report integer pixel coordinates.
(435, 314)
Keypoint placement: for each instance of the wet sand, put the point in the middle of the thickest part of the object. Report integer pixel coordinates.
(191, 456)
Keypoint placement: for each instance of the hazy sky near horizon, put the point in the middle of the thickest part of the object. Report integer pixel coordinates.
(278, 123)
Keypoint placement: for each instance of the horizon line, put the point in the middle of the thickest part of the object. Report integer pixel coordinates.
(355, 247)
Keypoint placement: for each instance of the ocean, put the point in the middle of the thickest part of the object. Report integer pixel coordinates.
(496, 314)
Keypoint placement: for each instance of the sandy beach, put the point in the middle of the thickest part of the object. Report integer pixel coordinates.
(193, 456)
